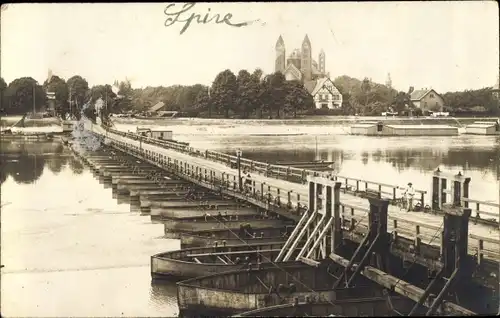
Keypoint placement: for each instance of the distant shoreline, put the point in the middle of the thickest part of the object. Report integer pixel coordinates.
(41, 122)
(318, 120)
(311, 120)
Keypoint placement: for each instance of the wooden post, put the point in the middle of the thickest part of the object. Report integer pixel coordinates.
(480, 248)
(418, 240)
(312, 196)
(337, 222)
(395, 230)
(465, 191)
(436, 191)
(454, 243)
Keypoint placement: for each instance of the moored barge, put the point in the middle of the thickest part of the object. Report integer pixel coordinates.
(373, 128)
(194, 262)
(483, 128)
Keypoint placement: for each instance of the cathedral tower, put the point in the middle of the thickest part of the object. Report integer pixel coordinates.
(321, 60)
(306, 59)
(280, 62)
(388, 81)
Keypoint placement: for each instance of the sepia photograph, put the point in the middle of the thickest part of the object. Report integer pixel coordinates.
(232, 159)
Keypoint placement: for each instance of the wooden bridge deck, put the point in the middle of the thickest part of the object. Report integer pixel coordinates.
(430, 224)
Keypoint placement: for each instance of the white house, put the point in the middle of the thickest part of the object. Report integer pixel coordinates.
(326, 95)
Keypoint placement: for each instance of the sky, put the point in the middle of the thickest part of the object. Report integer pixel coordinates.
(448, 46)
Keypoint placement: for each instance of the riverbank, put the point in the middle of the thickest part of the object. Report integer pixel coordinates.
(310, 120)
(41, 122)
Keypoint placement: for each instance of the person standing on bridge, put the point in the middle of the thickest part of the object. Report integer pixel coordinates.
(248, 182)
(410, 193)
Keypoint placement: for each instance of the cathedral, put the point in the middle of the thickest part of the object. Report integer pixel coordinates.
(300, 65)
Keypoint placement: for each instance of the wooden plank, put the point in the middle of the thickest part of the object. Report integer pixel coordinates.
(309, 261)
(232, 253)
(401, 287)
(408, 290)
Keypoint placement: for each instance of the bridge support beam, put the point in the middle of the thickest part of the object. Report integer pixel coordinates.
(457, 264)
(457, 186)
(320, 227)
(377, 237)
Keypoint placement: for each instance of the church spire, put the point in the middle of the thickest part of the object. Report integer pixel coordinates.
(306, 59)
(322, 66)
(388, 81)
(280, 43)
(279, 65)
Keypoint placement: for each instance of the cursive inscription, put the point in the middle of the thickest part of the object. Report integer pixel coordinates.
(185, 16)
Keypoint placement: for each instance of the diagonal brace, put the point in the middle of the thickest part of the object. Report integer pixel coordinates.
(440, 297)
(426, 293)
(351, 262)
(364, 259)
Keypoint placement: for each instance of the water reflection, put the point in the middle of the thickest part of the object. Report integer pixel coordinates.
(387, 160)
(70, 249)
(163, 295)
(26, 161)
(421, 159)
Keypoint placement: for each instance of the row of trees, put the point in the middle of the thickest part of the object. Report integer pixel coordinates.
(483, 100)
(368, 98)
(247, 95)
(25, 95)
(244, 95)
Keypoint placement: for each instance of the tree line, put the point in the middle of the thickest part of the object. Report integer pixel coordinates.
(242, 95)
(26, 95)
(365, 97)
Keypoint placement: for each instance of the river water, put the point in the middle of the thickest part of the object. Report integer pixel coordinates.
(69, 249)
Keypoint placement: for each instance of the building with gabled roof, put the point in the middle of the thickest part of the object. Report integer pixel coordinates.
(427, 100)
(156, 107)
(326, 95)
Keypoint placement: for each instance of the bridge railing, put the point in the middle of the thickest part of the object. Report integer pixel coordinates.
(268, 195)
(421, 233)
(286, 173)
(479, 207)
